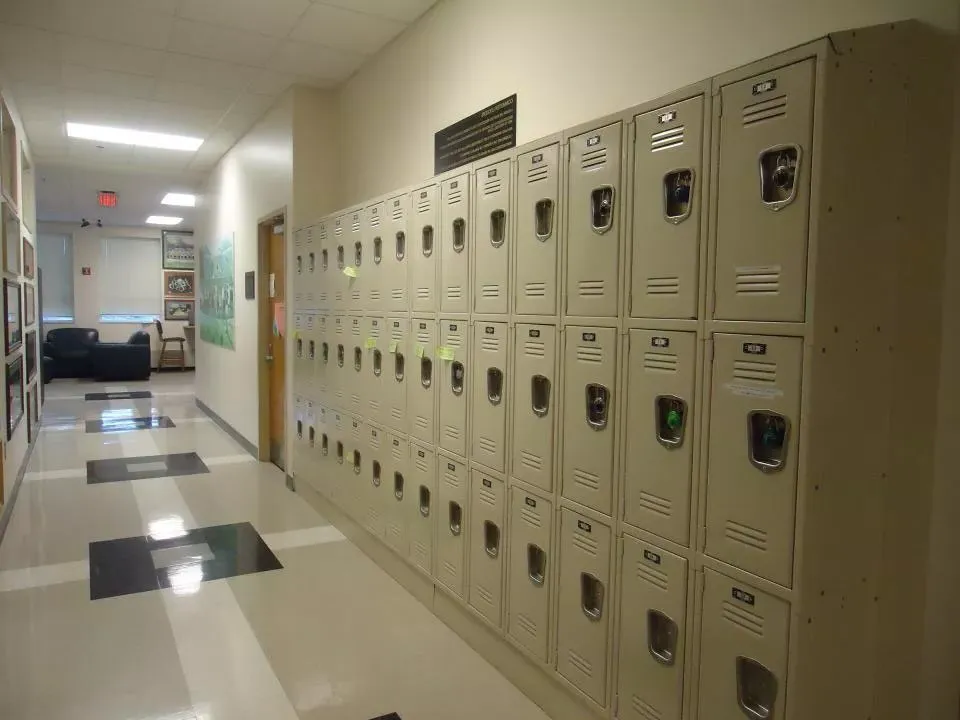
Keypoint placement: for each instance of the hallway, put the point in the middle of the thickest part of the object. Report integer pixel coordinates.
(152, 569)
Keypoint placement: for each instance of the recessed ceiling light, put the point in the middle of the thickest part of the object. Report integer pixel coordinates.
(139, 138)
(179, 199)
(163, 220)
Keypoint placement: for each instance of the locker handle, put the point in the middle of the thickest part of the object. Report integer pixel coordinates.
(339, 453)
(536, 564)
(768, 435)
(356, 462)
(311, 433)
(324, 259)
(456, 377)
(662, 634)
(300, 429)
(678, 195)
(401, 245)
(426, 371)
(779, 175)
(312, 264)
(398, 485)
(601, 208)
(498, 228)
(598, 405)
(543, 219)
(424, 501)
(340, 257)
(459, 235)
(377, 363)
(299, 347)
(670, 420)
(357, 253)
(398, 366)
(426, 241)
(340, 356)
(494, 385)
(324, 444)
(540, 395)
(325, 353)
(299, 265)
(591, 596)
(456, 518)
(312, 351)
(376, 473)
(756, 689)
(491, 538)
(357, 358)
(377, 250)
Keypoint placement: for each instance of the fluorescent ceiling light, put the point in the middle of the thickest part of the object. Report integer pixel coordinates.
(139, 138)
(163, 220)
(179, 199)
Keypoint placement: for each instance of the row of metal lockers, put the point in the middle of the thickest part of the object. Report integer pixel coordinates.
(492, 240)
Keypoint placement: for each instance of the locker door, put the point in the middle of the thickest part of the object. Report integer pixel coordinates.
(589, 416)
(308, 349)
(534, 404)
(661, 406)
(338, 456)
(395, 385)
(764, 195)
(531, 552)
(454, 354)
(353, 469)
(451, 520)
(667, 196)
(397, 473)
(743, 653)
(375, 367)
(355, 263)
(321, 450)
(584, 608)
(652, 640)
(309, 274)
(373, 269)
(423, 246)
(299, 430)
(396, 250)
(593, 237)
(455, 244)
(320, 367)
(338, 362)
(421, 390)
(322, 273)
(302, 381)
(299, 284)
(538, 239)
(487, 545)
(355, 384)
(494, 231)
(489, 429)
(421, 503)
(752, 461)
(338, 262)
(376, 488)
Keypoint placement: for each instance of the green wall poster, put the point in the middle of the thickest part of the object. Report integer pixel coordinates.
(216, 299)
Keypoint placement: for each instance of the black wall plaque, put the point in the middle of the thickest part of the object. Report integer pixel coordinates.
(249, 285)
(485, 133)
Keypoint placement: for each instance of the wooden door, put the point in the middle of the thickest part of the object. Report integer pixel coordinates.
(276, 350)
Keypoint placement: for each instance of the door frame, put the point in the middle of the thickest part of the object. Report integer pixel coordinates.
(265, 225)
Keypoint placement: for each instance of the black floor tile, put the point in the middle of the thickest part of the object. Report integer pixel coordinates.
(145, 466)
(113, 425)
(140, 564)
(391, 716)
(134, 395)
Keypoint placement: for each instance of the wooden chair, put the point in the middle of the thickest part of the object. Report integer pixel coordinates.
(170, 357)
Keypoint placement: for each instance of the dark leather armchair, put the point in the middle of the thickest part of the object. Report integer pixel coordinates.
(70, 350)
(123, 361)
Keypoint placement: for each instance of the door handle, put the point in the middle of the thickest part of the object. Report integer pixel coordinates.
(268, 358)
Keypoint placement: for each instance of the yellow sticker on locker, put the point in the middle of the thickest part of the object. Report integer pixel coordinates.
(419, 351)
(350, 271)
(393, 346)
(444, 352)
(371, 343)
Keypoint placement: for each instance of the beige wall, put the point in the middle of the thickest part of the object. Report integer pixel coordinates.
(316, 156)
(569, 61)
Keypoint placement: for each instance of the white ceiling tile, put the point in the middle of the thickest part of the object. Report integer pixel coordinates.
(204, 71)
(276, 17)
(45, 131)
(21, 45)
(269, 82)
(221, 43)
(171, 118)
(114, 20)
(346, 29)
(153, 157)
(27, 73)
(90, 150)
(404, 10)
(32, 13)
(318, 61)
(108, 82)
(107, 55)
(251, 104)
(199, 96)
(84, 107)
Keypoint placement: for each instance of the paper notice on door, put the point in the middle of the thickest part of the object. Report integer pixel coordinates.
(279, 319)
(419, 350)
(393, 346)
(753, 391)
(371, 343)
(273, 285)
(445, 353)
(350, 271)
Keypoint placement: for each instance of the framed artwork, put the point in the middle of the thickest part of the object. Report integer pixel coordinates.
(11, 241)
(31, 355)
(14, 394)
(29, 259)
(29, 304)
(217, 293)
(13, 327)
(179, 252)
(174, 309)
(178, 284)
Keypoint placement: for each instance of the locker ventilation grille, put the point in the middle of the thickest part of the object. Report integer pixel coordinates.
(528, 459)
(338, 231)
(397, 213)
(535, 349)
(660, 362)
(374, 296)
(751, 622)
(355, 295)
(585, 543)
(450, 569)
(530, 517)
(323, 233)
(452, 480)
(755, 371)
(767, 110)
(355, 225)
(655, 504)
(491, 187)
(535, 290)
(484, 594)
(454, 197)
(397, 335)
(537, 174)
(490, 291)
(490, 344)
(487, 445)
(645, 710)
(423, 206)
(526, 624)
(754, 281)
(454, 292)
(580, 663)
(667, 139)
(452, 434)
(375, 221)
(590, 288)
(423, 293)
(396, 414)
(594, 159)
(454, 341)
(397, 293)
(422, 423)
(488, 497)
(355, 400)
(397, 453)
(663, 285)
(374, 408)
(657, 578)
(590, 354)
(424, 337)
(420, 551)
(746, 535)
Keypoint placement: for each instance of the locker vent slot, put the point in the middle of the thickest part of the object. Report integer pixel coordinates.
(355, 223)
(396, 413)
(746, 535)
(452, 433)
(661, 362)
(452, 480)
(767, 110)
(397, 293)
(526, 624)
(535, 349)
(487, 496)
(397, 453)
(530, 517)
(663, 285)
(751, 622)
(490, 344)
(454, 292)
(755, 371)
(586, 479)
(323, 233)
(655, 577)
(487, 445)
(423, 206)
(580, 663)
(485, 594)
(455, 197)
(423, 293)
(593, 159)
(667, 139)
(450, 569)
(535, 289)
(421, 422)
(585, 543)
(591, 288)
(589, 354)
(375, 295)
(644, 709)
(492, 186)
(528, 459)
(537, 174)
(375, 221)
(757, 281)
(655, 504)
(397, 213)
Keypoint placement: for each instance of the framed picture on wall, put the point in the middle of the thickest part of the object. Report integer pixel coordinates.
(174, 309)
(179, 252)
(14, 394)
(29, 259)
(30, 353)
(178, 284)
(29, 305)
(11, 241)
(13, 327)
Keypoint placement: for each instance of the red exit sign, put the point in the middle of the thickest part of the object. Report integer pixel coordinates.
(107, 198)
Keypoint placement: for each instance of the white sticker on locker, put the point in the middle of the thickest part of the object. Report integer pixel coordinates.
(750, 391)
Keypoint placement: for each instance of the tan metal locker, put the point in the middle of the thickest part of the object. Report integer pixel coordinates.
(372, 269)
(667, 196)
(299, 283)
(355, 254)
(538, 236)
(661, 407)
(396, 370)
(451, 520)
(454, 354)
(421, 504)
(764, 195)
(376, 366)
(337, 261)
(321, 451)
(752, 460)
(302, 377)
(423, 246)
(585, 602)
(743, 651)
(397, 473)
(375, 485)
(531, 555)
(299, 434)
(489, 428)
(339, 377)
(320, 366)
(455, 240)
(589, 416)
(653, 607)
(309, 275)
(396, 249)
(353, 468)
(356, 391)
(338, 456)
(494, 230)
(488, 505)
(302, 350)
(425, 372)
(593, 234)
(322, 273)
(535, 349)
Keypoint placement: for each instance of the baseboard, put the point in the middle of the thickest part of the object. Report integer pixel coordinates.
(7, 511)
(551, 696)
(229, 429)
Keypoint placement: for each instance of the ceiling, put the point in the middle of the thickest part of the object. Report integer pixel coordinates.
(205, 68)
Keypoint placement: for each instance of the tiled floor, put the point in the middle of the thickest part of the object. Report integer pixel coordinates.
(142, 592)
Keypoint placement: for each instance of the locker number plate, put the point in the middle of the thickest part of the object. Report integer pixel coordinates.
(585, 526)
(755, 348)
(765, 86)
(652, 557)
(743, 596)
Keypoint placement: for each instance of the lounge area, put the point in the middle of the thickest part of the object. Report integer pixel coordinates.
(75, 352)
